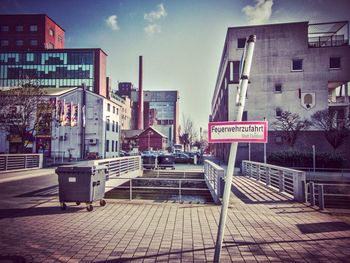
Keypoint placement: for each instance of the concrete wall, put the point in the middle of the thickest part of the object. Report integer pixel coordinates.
(276, 46)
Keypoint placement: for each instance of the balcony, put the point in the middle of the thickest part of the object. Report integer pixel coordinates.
(332, 34)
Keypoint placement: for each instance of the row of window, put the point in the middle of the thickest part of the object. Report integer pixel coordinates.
(297, 64)
(45, 72)
(114, 125)
(31, 28)
(20, 43)
(114, 146)
(19, 28)
(47, 58)
(51, 82)
(115, 109)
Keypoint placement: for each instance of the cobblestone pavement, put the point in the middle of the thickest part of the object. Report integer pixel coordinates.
(262, 226)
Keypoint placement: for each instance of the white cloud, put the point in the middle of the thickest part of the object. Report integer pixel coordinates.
(260, 13)
(152, 29)
(112, 22)
(156, 14)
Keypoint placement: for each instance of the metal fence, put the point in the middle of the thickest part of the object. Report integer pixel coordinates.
(286, 180)
(18, 162)
(171, 184)
(214, 178)
(321, 193)
(120, 165)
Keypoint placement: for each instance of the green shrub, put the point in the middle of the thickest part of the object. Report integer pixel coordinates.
(302, 159)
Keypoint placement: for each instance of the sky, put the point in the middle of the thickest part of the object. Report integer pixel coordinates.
(181, 41)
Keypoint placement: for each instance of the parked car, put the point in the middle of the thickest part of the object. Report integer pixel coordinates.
(182, 158)
(123, 153)
(166, 161)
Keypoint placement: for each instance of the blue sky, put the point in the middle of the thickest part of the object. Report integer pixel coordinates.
(181, 40)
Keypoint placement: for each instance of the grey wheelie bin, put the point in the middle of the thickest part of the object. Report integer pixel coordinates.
(81, 183)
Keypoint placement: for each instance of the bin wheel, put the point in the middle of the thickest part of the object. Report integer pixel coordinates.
(78, 203)
(102, 202)
(89, 208)
(63, 206)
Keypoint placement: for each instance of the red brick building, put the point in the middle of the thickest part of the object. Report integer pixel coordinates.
(152, 140)
(30, 32)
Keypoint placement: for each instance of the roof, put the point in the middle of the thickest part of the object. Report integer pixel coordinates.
(131, 133)
(57, 91)
(155, 130)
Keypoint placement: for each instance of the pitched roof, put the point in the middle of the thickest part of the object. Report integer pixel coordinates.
(155, 130)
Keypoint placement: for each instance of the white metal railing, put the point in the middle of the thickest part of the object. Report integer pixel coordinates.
(214, 178)
(285, 180)
(318, 192)
(119, 166)
(180, 185)
(18, 162)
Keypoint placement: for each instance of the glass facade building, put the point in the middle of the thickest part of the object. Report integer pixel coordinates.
(54, 68)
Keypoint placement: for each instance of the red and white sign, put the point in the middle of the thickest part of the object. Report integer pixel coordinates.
(237, 131)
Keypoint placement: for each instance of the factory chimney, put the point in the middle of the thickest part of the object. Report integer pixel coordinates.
(140, 104)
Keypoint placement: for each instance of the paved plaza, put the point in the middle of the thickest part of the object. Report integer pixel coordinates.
(262, 226)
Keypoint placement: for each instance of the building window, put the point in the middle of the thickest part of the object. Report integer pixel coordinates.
(278, 88)
(112, 146)
(116, 126)
(33, 42)
(19, 42)
(107, 124)
(19, 28)
(278, 112)
(334, 63)
(51, 32)
(113, 124)
(4, 42)
(4, 28)
(241, 42)
(113, 109)
(107, 145)
(108, 107)
(297, 65)
(117, 111)
(33, 28)
(60, 39)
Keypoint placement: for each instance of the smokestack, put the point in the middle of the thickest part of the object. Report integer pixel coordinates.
(140, 104)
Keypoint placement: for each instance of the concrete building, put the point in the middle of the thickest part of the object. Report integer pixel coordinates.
(297, 67)
(160, 109)
(76, 130)
(28, 32)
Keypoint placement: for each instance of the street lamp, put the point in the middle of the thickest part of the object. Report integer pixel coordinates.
(149, 137)
(107, 119)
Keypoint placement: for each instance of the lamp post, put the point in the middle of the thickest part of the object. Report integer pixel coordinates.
(107, 119)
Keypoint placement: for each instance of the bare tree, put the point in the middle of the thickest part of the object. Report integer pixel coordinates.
(187, 132)
(290, 125)
(335, 130)
(23, 110)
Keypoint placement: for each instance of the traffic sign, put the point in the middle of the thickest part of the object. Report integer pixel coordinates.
(237, 131)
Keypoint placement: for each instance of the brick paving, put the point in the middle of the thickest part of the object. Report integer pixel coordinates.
(262, 226)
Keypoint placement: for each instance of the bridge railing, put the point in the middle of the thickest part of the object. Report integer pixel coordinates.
(214, 178)
(19, 162)
(119, 166)
(285, 180)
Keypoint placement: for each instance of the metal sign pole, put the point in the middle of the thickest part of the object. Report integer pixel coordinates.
(233, 150)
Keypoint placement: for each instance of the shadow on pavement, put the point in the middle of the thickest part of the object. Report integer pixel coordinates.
(48, 191)
(323, 227)
(37, 211)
